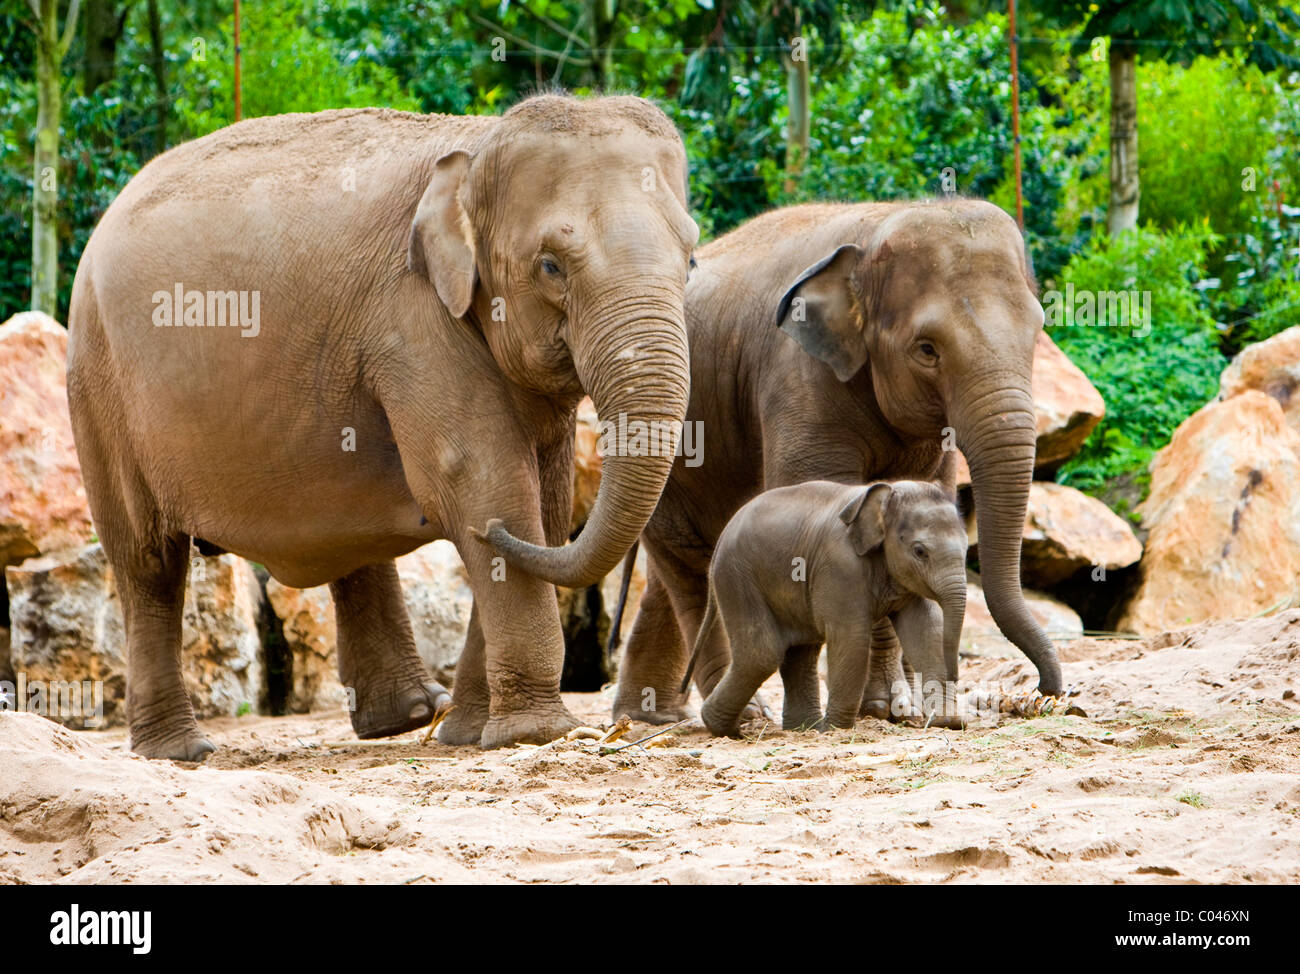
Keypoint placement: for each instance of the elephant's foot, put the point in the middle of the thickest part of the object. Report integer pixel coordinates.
(757, 709)
(877, 709)
(720, 724)
(399, 710)
(650, 707)
(188, 745)
(528, 727)
(810, 719)
(951, 722)
(464, 725)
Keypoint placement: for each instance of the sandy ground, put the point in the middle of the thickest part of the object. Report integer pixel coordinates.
(1186, 768)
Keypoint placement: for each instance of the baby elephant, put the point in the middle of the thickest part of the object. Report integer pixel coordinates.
(824, 562)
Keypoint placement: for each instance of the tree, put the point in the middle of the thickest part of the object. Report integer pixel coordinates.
(51, 48)
(1171, 30)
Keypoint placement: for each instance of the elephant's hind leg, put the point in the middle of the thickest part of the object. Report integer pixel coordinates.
(388, 682)
(653, 659)
(150, 581)
(802, 709)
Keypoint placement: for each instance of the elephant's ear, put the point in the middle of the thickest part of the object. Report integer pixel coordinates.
(818, 312)
(442, 240)
(864, 516)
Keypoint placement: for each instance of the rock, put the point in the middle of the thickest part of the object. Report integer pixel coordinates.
(1224, 518)
(981, 635)
(42, 500)
(1066, 530)
(586, 464)
(438, 601)
(67, 626)
(1271, 366)
(1066, 404)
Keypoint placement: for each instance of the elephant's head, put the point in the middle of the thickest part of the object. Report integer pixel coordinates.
(564, 237)
(921, 536)
(937, 301)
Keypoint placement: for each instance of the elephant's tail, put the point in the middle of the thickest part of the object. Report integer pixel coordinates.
(615, 635)
(706, 629)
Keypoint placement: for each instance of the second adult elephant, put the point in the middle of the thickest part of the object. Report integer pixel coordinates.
(848, 342)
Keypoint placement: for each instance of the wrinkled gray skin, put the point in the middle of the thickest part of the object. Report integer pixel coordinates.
(436, 294)
(823, 562)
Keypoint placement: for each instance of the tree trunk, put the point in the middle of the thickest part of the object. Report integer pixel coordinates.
(45, 168)
(104, 27)
(159, 65)
(1123, 213)
(799, 127)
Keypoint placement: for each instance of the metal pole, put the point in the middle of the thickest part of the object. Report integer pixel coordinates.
(1015, 108)
(239, 108)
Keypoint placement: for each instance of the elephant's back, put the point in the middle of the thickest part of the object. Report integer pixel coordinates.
(288, 151)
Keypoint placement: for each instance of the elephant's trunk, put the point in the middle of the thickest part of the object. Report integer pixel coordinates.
(996, 432)
(633, 363)
(952, 600)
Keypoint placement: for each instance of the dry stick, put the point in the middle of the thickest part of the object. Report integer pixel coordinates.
(655, 734)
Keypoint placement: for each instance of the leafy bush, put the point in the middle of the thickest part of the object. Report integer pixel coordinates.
(1154, 375)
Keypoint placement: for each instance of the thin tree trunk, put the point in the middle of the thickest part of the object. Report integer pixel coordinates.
(50, 50)
(1123, 213)
(799, 100)
(104, 28)
(159, 76)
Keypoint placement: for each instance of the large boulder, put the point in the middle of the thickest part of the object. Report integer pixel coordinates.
(1066, 404)
(438, 601)
(1271, 366)
(42, 500)
(67, 626)
(1065, 531)
(1224, 518)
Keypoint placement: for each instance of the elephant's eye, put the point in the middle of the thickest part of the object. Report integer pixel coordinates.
(550, 267)
(928, 351)
(919, 551)
(693, 263)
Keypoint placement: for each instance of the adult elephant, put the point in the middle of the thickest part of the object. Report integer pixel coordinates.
(899, 323)
(321, 341)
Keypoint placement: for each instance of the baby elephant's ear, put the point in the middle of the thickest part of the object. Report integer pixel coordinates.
(865, 517)
(819, 312)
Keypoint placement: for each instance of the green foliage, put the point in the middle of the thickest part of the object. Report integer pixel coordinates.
(289, 65)
(1153, 375)
(918, 112)
(1204, 149)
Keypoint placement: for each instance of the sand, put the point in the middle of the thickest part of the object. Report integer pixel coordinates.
(1185, 768)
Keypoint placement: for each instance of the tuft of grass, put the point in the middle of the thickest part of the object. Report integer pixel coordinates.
(1195, 799)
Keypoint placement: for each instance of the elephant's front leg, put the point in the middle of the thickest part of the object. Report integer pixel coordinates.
(523, 648)
(919, 625)
(471, 695)
(886, 696)
(389, 686)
